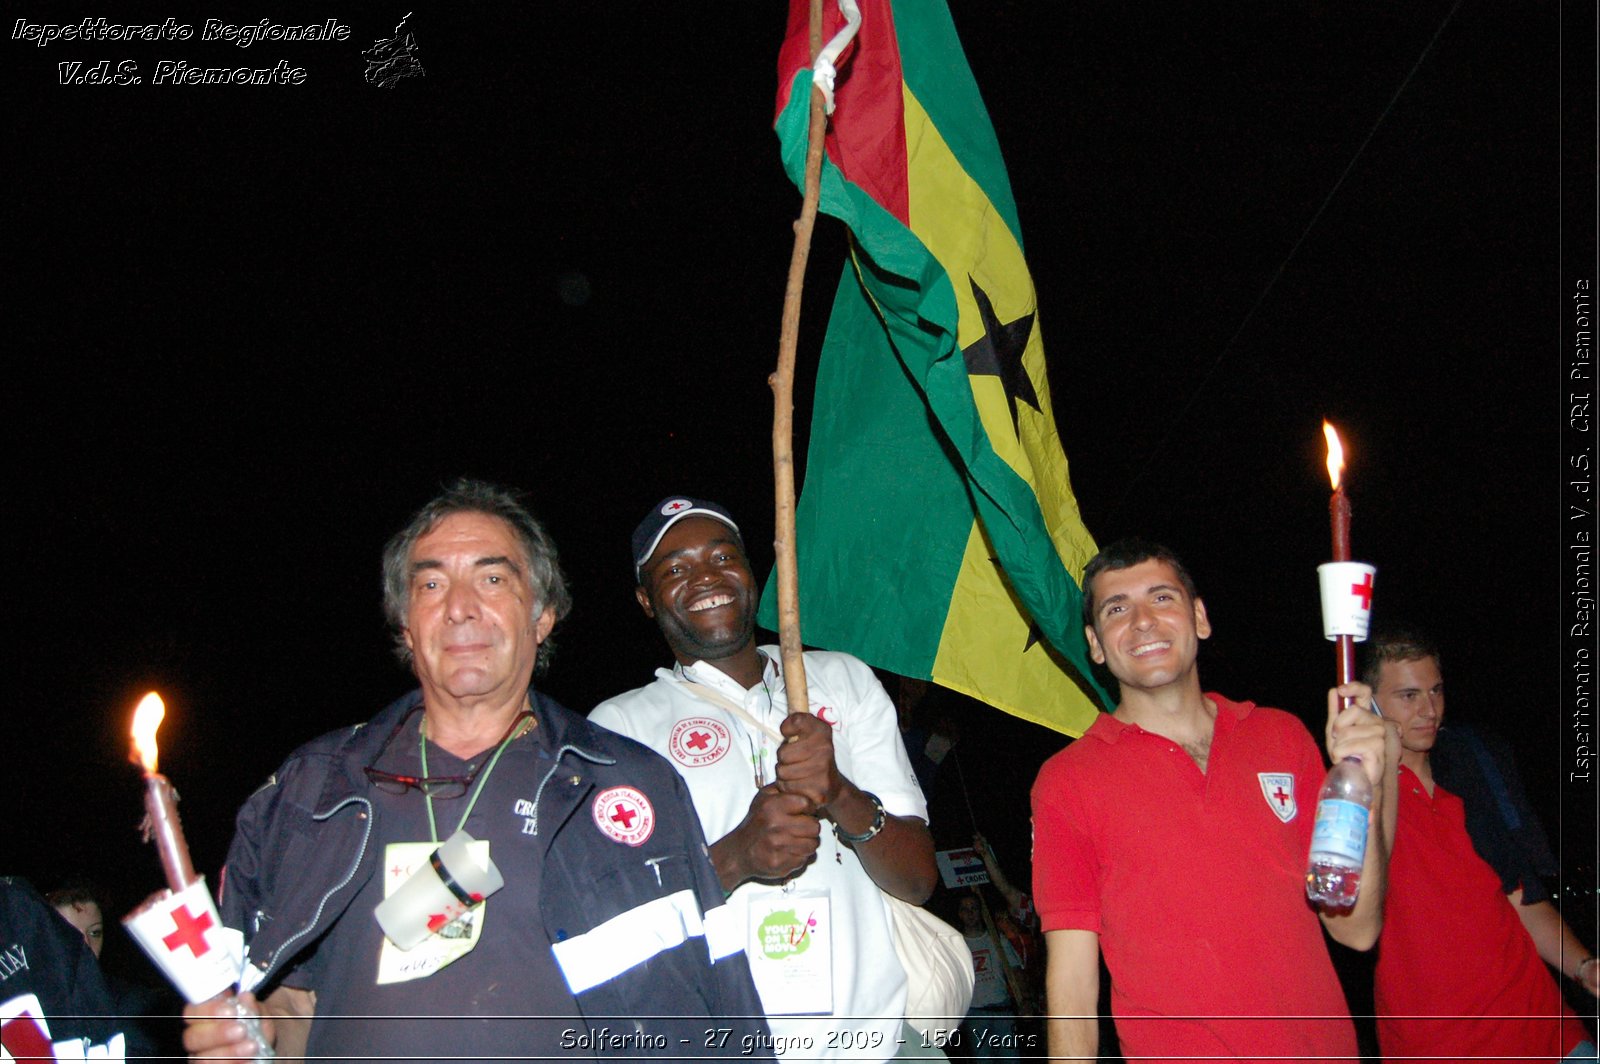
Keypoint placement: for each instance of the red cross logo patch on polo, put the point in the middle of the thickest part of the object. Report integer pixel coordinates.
(1278, 789)
(625, 815)
(698, 741)
(182, 933)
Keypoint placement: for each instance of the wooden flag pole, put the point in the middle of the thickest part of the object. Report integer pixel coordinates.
(782, 383)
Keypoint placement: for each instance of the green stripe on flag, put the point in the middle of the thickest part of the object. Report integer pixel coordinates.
(936, 71)
(909, 444)
(891, 495)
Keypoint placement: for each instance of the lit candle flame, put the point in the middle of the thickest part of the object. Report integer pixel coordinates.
(1335, 454)
(146, 719)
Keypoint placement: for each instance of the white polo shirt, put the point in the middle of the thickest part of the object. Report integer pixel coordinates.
(721, 756)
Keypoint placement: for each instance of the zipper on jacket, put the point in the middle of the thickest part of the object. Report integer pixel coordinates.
(598, 759)
(366, 835)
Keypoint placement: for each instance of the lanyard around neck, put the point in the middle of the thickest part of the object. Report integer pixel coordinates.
(422, 745)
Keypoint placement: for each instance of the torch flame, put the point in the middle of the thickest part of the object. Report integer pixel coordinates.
(146, 719)
(1335, 454)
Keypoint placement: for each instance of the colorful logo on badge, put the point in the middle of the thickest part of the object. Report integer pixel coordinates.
(698, 741)
(1278, 789)
(784, 934)
(625, 815)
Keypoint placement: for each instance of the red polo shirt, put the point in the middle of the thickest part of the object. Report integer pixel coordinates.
(1195, 883)
(1454, 948)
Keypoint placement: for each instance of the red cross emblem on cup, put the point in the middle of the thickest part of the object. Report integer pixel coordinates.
(1363, 591)
(188, 930)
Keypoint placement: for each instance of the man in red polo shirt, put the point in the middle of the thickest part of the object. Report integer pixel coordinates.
(1455, 946)
(1173, 838)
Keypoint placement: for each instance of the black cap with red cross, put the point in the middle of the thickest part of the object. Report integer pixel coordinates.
(664, 515)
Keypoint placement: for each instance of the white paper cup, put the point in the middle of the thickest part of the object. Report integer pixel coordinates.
(1346, 598)
(446, 885)
(184, 936)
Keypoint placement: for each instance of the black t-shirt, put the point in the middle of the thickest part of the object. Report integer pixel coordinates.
(1477, 767)
(43, 955)
(459, 1011)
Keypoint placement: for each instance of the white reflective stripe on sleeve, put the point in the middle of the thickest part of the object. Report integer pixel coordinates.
(724, 934)
(627, 939)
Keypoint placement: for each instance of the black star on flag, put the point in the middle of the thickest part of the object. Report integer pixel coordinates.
(1035, 633)
(998, 353)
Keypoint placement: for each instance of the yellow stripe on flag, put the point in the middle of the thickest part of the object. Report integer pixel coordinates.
(981, 652)
(956, 222)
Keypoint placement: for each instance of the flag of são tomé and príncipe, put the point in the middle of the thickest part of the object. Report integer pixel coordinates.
(937, 532)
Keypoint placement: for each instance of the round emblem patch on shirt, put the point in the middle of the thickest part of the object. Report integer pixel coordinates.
(625, 815)
(698, 741)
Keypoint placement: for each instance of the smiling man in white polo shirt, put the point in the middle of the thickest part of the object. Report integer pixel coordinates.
(809, 895)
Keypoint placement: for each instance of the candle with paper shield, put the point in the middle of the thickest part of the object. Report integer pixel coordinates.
(1344, 805)
(178, 928)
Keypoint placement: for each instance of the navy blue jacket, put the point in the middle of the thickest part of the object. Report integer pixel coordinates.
(305, 847)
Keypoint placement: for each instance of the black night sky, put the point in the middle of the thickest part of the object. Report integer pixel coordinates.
(252, 327)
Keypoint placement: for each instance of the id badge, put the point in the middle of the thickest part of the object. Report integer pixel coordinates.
(791, 951)
(445, 946)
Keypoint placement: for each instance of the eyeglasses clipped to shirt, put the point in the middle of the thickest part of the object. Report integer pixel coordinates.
(441, 787)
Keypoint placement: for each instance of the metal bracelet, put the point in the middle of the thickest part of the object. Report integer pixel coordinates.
(871, 832)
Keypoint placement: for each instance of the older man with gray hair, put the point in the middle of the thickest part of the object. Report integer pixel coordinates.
(607, 937)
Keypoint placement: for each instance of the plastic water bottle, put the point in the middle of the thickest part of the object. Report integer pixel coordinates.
(250, 1020)
(1339, 837)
